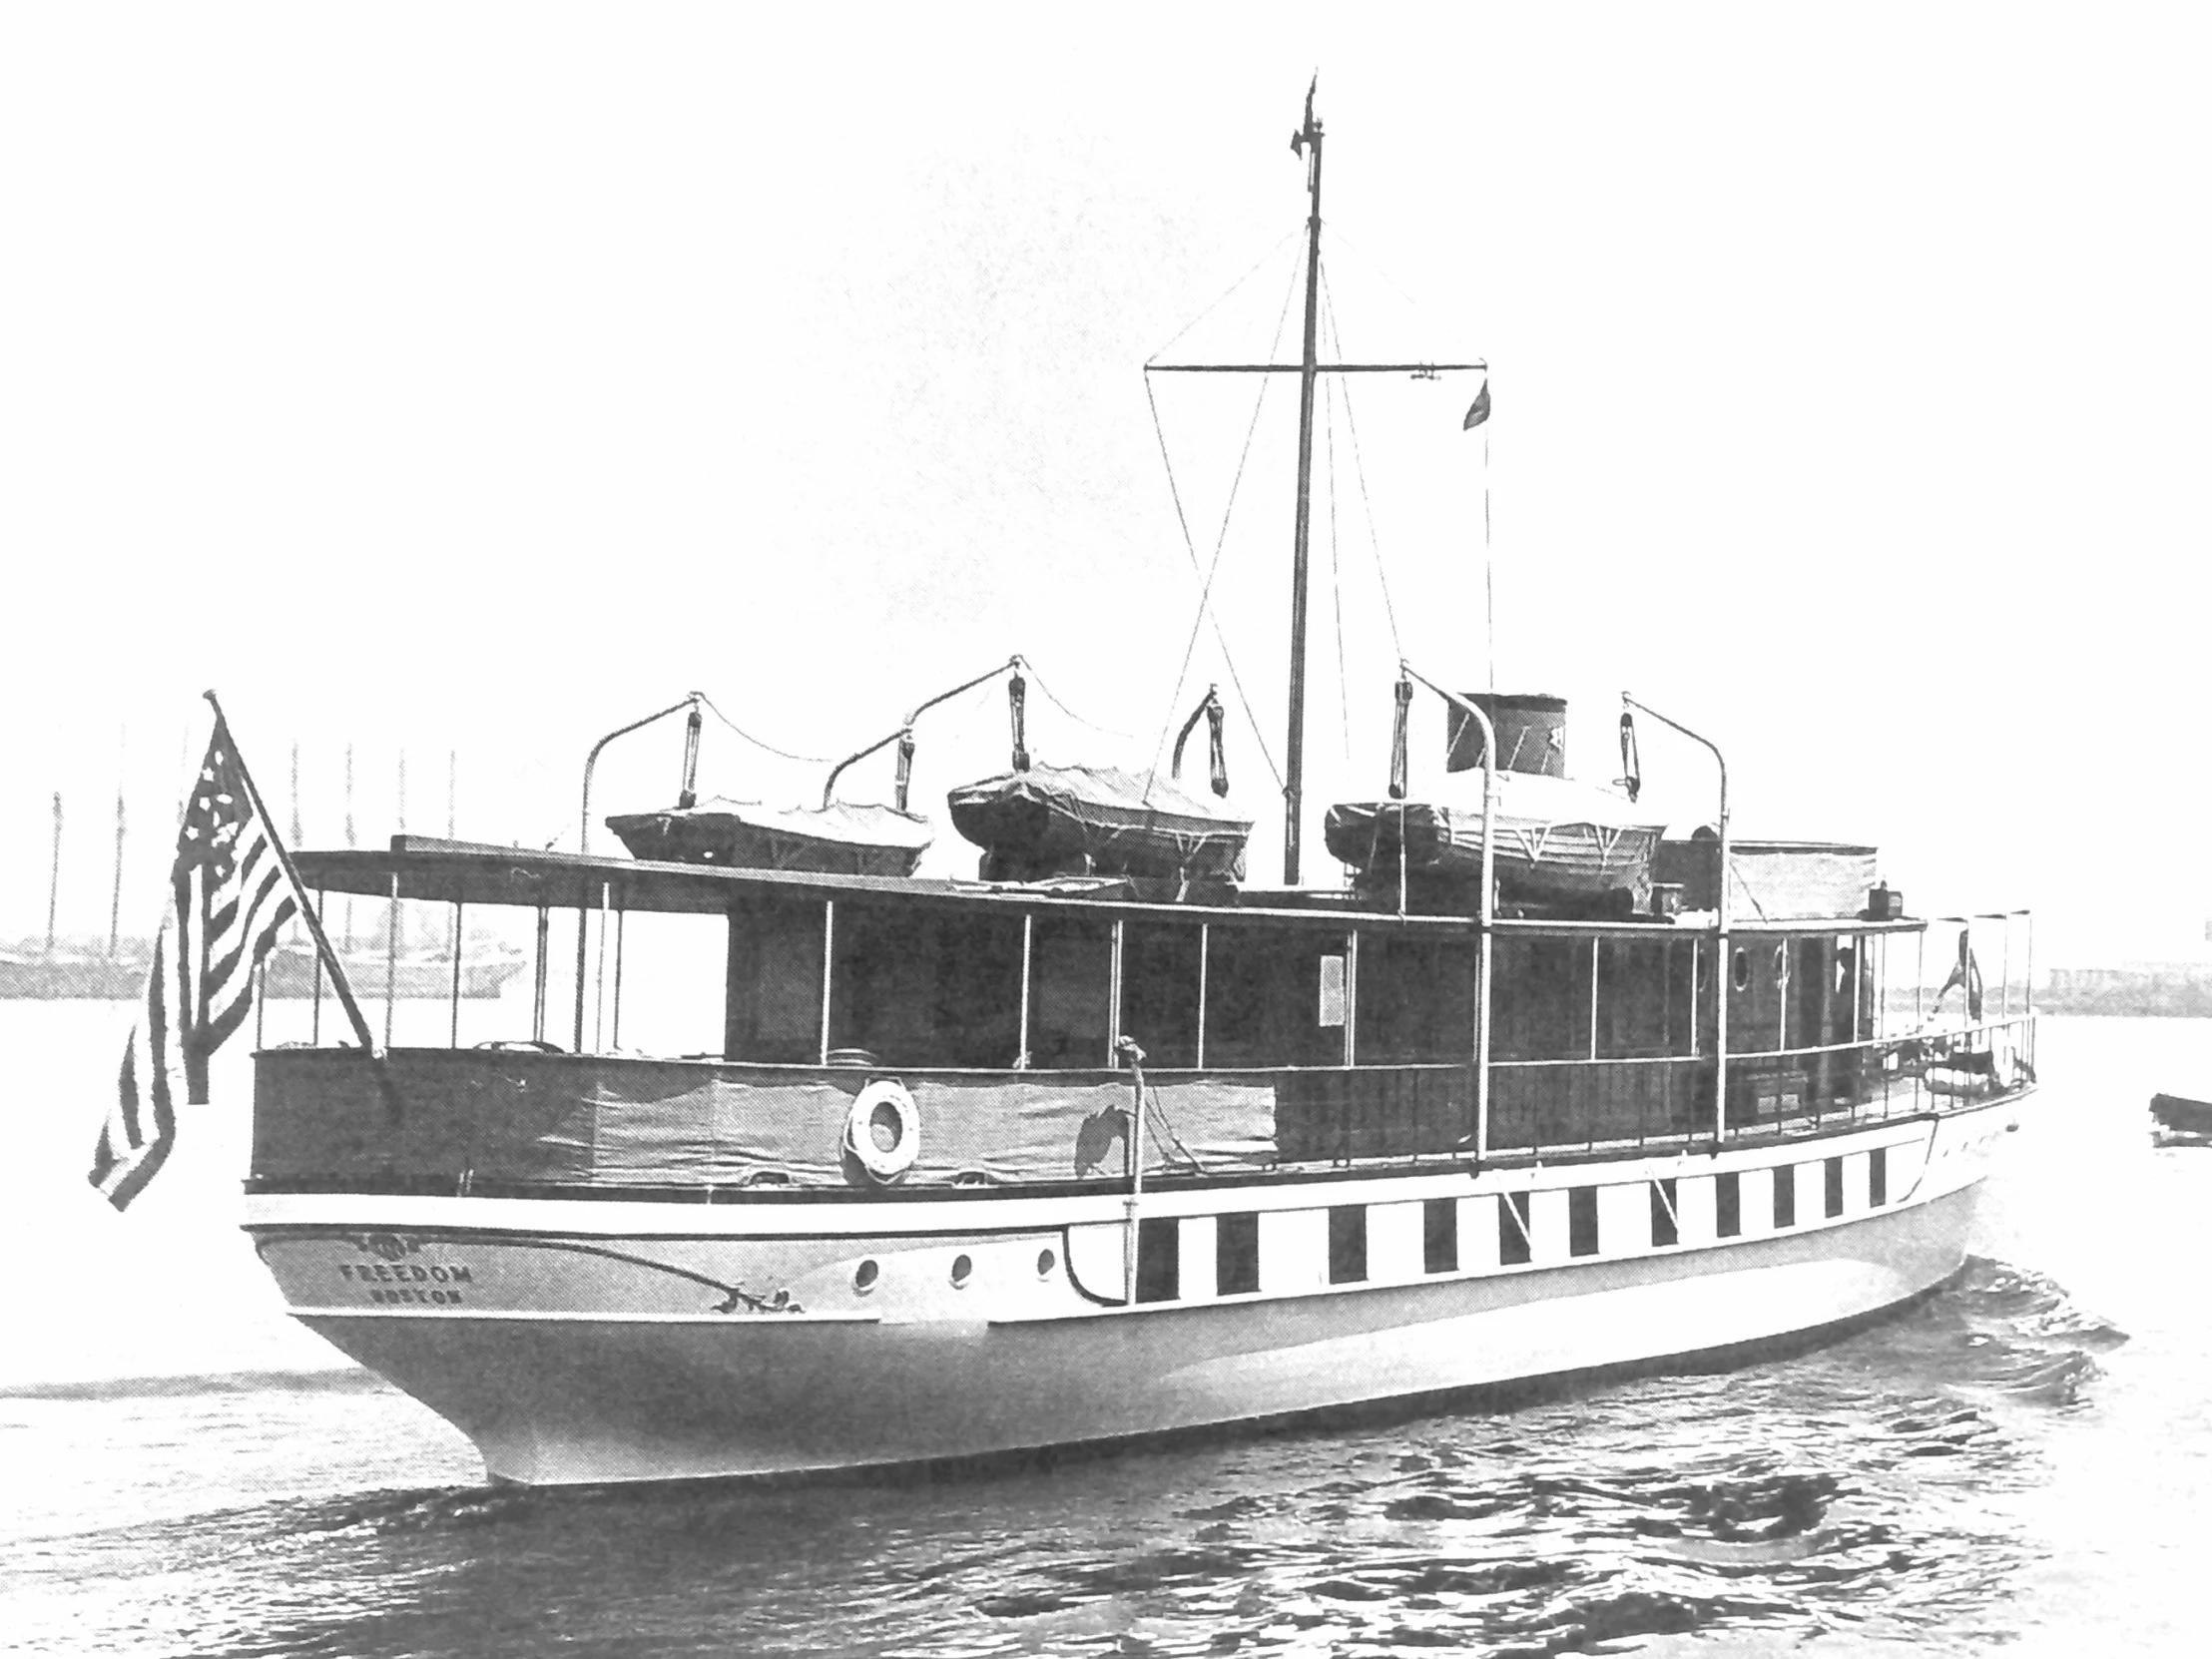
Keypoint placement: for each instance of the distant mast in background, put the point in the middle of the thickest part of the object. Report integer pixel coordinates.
(295, 928)
(350, 841)
(452, 798)
(395, 921)
(115, 898)
(54, 877)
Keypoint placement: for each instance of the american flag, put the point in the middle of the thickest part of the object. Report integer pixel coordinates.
(229, 893)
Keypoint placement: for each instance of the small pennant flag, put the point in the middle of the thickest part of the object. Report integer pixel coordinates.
(229, 893)
(1479, 410)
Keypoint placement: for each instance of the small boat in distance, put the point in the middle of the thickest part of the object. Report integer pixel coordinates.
(2183, 1118)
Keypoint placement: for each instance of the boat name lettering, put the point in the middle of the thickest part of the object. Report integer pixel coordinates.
(385, 1273)
(440, 1298)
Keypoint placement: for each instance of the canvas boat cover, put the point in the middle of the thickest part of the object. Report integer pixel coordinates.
(1098, 820)
(1552, 835)
(842, 839)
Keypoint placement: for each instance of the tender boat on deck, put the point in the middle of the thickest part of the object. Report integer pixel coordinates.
(1551, 839)
(1084, 820)
(958, 1168)
(842, 837)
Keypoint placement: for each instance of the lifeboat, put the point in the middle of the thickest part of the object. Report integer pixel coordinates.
(1555, 840)
(1097, 821)
(838, 839)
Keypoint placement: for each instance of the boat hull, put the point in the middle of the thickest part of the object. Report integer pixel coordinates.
(622, 1358)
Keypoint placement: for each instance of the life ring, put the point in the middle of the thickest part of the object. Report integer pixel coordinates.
(883, 1132)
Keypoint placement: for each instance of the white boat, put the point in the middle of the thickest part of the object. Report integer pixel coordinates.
(984, 1167)
(1550, 839)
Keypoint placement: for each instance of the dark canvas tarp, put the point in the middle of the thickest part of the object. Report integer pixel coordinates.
(1100, 818)
(845, 838)
(319, 1114)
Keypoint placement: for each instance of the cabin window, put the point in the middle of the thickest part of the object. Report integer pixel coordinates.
(1835, 1186)
(1158, 1259)
(1513, 1230)
(1071, 978)
(1644, 1004)
(1237, 1254)
(772, 1009)
(1159, 991)
(1785, 1196)
(1263, 1001)
(1347, 1242)
(926, 987)
(1665, 1229)
(1739, 969)
(1439, 1235)
(1727, 1205)
(1581, 1221)
(1416, 1003)
(1878, 1176)
(1542, 1011)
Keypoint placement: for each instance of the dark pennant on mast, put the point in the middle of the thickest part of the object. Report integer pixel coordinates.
(1305, 141)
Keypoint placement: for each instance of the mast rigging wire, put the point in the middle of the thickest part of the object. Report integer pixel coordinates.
(1224, 295)
(1205, 588)
(1336, 567)
(1360, 470)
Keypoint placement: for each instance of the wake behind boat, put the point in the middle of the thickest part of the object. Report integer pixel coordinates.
(1108, 1141)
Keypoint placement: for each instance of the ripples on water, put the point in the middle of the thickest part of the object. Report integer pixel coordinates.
(1845, 1496)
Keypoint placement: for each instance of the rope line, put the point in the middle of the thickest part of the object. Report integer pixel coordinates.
(809, 759)
(1221, 541)
(1367, 501)
(1335, 568)
(1225, 293)
(1052, 696)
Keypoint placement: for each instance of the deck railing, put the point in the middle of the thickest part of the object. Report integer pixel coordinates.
(1589, 1105)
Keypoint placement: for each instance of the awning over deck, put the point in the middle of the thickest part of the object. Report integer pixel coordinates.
(476, 873)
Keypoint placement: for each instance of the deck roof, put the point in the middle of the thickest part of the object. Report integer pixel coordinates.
(479, 872)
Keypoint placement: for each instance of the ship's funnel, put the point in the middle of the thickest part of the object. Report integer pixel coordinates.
(1531, 733)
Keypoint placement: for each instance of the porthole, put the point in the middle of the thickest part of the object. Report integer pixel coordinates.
(962, 1269)
(1782, 964)
(1739, 969)
(864, 1277)
(1046, 1262)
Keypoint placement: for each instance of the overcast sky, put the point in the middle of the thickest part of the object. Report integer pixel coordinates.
(473, 380)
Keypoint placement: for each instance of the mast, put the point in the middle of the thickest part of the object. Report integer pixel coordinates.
(1306, 142)
(54, 881)
(350, 839)
(115, 898)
